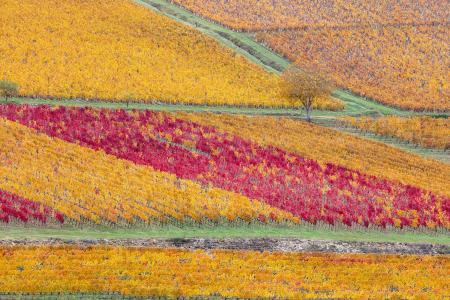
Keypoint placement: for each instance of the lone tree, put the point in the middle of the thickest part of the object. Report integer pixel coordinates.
(305, 86)
(8, 89)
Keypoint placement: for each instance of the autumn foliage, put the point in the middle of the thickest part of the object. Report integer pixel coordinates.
(229, 274)
(91, 186)
(259, 15)
(306, 87)
(331, 146)
(17, 209)
(395, 52)
(121, 51)
(425, 131)
(302, 187)
(404, 67)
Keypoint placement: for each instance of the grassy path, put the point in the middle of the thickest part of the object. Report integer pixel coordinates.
(244, 44)
(239, 42)
(354, 107)
(168, 107)
(324, 118)
(306, 231)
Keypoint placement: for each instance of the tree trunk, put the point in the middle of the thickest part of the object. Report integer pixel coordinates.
(308, 114)
(308, 108)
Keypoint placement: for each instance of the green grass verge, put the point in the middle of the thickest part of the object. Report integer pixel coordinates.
(307, 231)
(353, 107)
(156, 106)
(164, 107)
(240, 42)
(246, 45)
(325, 118)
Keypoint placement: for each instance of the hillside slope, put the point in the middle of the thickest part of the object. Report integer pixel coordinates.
(122, 51)
(391, 52)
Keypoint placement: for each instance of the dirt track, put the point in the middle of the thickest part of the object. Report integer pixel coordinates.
(258, 244)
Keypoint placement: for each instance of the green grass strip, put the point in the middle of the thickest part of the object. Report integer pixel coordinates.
(320, 117)
(351, 107)
(306, 231)
(246, 45)
(163, 107)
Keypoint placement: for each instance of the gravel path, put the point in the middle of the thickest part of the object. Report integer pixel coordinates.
(256, 244)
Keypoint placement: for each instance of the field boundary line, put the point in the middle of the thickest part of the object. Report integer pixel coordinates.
(305, 231)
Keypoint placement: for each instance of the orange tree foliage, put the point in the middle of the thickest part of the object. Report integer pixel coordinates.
(425, 131)
(280, 14)
(120, 51)
(330, 146)
(83, 183)
(405, 67)
(231, 274)
(393, 51)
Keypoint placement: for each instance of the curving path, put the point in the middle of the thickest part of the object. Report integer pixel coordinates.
(245, 44)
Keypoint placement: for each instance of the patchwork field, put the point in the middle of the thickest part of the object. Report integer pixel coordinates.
(329, 146)
(97, 154)
(150, 149)
(82, 183)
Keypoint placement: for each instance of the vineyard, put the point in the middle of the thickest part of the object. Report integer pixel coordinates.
(282, 14)
(156, 149)
(176, 273)
(125, 53)
(297, 185)
(325, 146)
(94, 186)
(393, 53)
(424, 131)
(402, 67)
